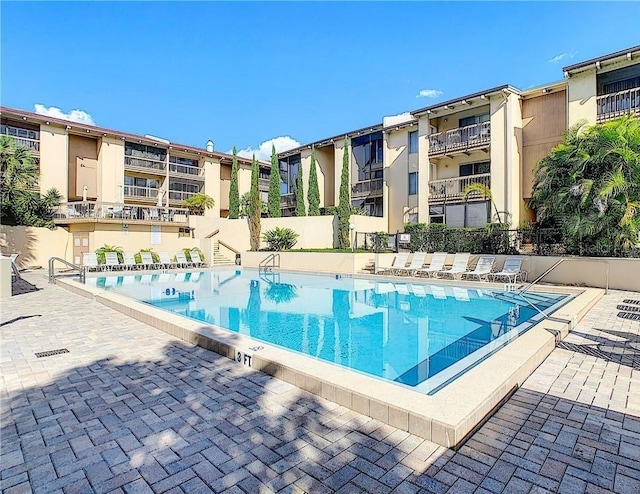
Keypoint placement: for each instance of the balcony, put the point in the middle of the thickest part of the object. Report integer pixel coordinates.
(145, 165)
(287, 200)
(263, 183)
(367, 188)
(460, 140)
(110, 212)
(180, 195)
(32, 145)
(451, 189)
(136, 192)
(185, 171)
(615, 105)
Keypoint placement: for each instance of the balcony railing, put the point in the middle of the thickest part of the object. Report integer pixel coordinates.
(144, 165)
(367, 188)
(460, 139)
(263, 183)
(95, 211)
(451, 189)
(140, 192)
(180, 195)
(186, 170)
(287, 200)
(31, 144)
(614, 105)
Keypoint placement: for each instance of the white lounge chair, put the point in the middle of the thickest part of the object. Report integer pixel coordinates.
(398, 262)
(111, 261)
(181, 260)
(417, 261)
(90, 261)
(482, 269)
(165, 260)
(196, 259)
(436, 265)
(511, 271)
(459, 266)
(129, 261)
(147, 260)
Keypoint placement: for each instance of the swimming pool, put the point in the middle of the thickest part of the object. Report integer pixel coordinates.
(415, 334)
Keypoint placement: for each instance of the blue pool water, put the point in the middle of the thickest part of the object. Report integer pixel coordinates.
(415, 334)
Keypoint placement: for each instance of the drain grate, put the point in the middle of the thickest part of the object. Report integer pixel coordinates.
(631, 301)
(629, 315)
(629, 308)
(52, 352)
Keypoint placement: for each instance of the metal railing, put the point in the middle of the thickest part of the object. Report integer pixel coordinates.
(560, 261)
(269, 263)
(180, 195)
(110, 211)
(31, 144)
(136, 191)
(52, 273)
(287, 200)
(460, 139)
(614, 105)
(134, 162)
(184, 169)
(453, 188)
(367, 188)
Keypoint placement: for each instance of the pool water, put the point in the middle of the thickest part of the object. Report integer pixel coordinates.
(415, 334)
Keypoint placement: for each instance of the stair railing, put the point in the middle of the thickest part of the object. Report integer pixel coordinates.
(564, 259)
(52, 273)
(269, 263)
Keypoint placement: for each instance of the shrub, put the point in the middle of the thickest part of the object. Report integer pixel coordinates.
(280, 238)
(108, 248)
(187, 253)
(154, 255)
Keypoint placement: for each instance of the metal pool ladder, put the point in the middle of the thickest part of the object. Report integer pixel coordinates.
(52, 273)
(268, 264)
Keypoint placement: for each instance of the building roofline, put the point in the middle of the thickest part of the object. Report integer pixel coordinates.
(15, 112)
(544, 88)
(467, 97)
(604, 58)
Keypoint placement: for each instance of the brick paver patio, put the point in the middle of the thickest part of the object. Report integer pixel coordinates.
(131, 409)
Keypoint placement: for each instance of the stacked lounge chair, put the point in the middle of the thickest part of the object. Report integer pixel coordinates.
(399, 262)
(417, 261)
(482, 269)
(460, 262)
(511, 271)
(436, 265)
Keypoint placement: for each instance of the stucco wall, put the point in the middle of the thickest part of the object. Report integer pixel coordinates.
(110, 169)
(54, 168)
(581, 92)
(35, 245)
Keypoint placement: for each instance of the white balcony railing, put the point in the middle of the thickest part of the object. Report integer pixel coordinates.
(140, 192)
(614, 105)
(460, 139)
(31, 144)
(451, 189)
(109, 211)
(367, 188)
(144, 164)
(179, 195)
(191, 171)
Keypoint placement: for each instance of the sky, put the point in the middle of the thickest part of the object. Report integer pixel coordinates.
(244, 73)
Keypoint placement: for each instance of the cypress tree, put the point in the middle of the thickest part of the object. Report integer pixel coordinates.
(299, 190)
(273, 199)
(344, 204)
(314, 192)
(234, 194)
(255, 207)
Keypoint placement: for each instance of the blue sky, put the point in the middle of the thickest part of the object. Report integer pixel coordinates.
(244, 73)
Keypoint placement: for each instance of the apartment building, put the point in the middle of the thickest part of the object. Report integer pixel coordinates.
(417, 169)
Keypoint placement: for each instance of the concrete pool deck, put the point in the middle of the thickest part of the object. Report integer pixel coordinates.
(446, 417)
(132, 409)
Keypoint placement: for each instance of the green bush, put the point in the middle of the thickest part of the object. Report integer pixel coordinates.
(154, 255)
(108, 248)
(187, 253)
(280, 238)
(436, 237)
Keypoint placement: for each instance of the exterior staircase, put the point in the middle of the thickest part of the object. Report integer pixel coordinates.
(219, 258)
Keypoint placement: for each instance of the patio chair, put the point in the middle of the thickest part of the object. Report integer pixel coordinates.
(417, 261)
(129, 261)
(436, 265)
(90, 261)
(147, 260)
(165, 261)
(460, 261)
(196, 260)
(398, 262)
(181, 260)
(482, 269)
(512, 270)
(111, 261)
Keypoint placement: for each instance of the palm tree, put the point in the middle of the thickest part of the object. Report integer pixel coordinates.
(198, 203)
(484, 191)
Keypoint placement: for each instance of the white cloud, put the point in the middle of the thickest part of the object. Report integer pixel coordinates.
(79, 116)
(263, 152)
(429, 93)
(563, 56)
(397, 119)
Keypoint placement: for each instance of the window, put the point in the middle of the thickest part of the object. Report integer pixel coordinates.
(146, 152)
(413, 183)
(485, 117)
(412, 218)
(475, 168)
(413, 142)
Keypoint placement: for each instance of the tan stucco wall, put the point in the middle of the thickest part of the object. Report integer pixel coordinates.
(326, 175)
(396, 174)
(212, 186)
(424, 166)
(110, 169)
(35, 245)
(309, 261)
(581, 93)
(54, 159)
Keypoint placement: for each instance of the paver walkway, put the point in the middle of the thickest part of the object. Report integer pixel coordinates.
(131, 409)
